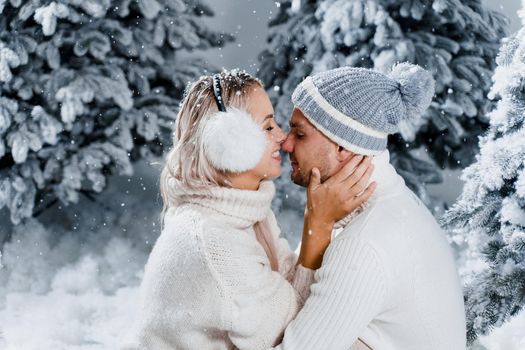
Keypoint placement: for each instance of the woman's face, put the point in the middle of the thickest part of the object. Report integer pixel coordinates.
(260, 108)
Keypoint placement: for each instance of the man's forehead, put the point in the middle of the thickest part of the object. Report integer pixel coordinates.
(299, 121)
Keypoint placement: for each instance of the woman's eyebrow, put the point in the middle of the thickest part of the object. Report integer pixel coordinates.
(269, 116)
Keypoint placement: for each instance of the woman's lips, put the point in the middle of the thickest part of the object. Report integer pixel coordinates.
(277, 156)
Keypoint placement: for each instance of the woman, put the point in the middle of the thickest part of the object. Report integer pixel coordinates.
(218, 276)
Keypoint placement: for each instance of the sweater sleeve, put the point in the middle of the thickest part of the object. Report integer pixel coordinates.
(257, 303)
(299, 276)
(349, 291)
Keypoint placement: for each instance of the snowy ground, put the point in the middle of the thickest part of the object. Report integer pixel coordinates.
(75, 284)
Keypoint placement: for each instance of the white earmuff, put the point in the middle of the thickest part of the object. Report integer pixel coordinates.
(233, 141)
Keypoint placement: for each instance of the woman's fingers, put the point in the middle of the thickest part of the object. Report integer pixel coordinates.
(356, 187)
(364, 196)
(314, 181)
(358, 173)
(313, 190)
(338, 196)
(345, 171)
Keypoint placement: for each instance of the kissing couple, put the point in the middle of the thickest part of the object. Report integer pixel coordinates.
(374, 269)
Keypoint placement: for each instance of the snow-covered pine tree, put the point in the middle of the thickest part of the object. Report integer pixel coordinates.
(456, 40)
(488, 220)
(87, 87)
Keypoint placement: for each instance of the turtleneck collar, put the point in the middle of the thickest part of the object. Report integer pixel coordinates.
(388, 181)
(242, 208)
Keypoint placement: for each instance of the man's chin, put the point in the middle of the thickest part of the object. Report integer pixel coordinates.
(298, 180)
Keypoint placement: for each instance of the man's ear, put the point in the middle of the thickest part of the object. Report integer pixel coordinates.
(343, 154)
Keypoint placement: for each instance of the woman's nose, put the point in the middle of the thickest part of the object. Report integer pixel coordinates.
(279, 135)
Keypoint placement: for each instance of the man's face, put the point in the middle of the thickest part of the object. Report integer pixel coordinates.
(309, 148)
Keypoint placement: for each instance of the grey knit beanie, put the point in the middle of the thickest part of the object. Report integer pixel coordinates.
(358, 108)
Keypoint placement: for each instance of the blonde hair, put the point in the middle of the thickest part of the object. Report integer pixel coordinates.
(186, 161)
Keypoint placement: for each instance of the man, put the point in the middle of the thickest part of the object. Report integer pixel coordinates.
(388, 277)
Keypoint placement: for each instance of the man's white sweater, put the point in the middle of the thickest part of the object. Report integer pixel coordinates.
(208, 282)
(388, 277)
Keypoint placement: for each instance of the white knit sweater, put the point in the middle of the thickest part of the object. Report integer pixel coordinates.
(388, 277)
(208, 283)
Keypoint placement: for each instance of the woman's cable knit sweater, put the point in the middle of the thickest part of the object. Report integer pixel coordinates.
(208, 283)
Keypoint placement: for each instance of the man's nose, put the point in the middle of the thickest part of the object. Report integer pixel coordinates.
(287, 145)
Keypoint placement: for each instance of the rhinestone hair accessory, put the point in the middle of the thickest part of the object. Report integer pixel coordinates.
(217, 93)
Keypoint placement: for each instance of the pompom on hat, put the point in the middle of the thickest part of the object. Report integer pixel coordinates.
(358, 108)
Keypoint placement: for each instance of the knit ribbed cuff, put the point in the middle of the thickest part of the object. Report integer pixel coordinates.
(303, 279)
(342, 129)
